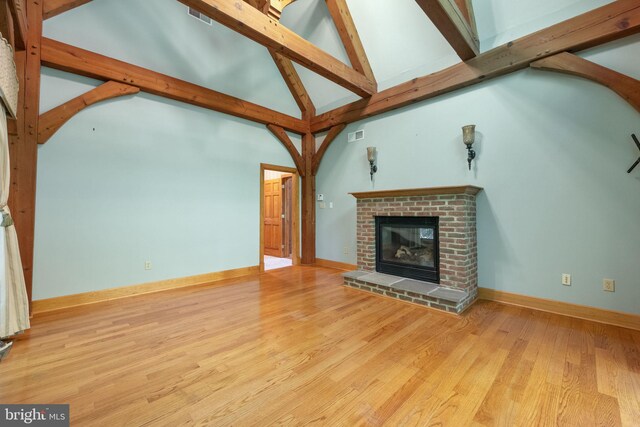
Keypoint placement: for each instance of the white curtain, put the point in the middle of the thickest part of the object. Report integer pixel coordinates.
(14, 305)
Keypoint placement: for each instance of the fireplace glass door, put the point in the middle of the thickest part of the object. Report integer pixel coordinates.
(408, 247)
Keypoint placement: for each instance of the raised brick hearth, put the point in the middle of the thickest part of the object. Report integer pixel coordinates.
(456, 209)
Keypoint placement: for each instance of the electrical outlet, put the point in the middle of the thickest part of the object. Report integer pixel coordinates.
(609, 285)
(345, 250)
(147, 265)
(566, 279)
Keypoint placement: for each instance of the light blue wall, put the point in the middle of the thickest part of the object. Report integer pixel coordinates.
(552, 158)
(144, 178)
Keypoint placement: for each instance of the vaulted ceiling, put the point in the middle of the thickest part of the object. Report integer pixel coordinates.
(399, 39)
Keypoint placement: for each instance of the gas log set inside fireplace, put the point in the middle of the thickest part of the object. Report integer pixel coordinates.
(408, 247)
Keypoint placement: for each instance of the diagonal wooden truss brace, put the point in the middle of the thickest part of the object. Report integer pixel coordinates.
(350, 38)
(627, 87)
(294, 83)
(51, 121)
(282, 136)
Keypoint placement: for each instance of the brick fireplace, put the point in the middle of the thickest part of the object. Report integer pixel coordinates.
(455, 210)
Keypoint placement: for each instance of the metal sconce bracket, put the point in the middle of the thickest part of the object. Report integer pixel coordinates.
(471, 155)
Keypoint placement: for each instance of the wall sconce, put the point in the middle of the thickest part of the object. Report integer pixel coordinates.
(469, 137)
(372, 155)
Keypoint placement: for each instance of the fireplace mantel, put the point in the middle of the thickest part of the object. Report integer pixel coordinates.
(408, 192)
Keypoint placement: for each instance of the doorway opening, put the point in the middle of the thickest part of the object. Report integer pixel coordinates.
(279, 217)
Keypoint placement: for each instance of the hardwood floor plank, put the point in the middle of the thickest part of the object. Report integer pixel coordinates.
(610, 361)
(508, 380)
(628, 386)
(294, 347)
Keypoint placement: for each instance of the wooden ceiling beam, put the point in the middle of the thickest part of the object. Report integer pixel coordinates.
(282, 136)
(56, 7)
(250, 22)
(83, 62)
(610, 22)
(331, 136)
(567, 63)
(453, 25)
(51, 121)
(350, 38)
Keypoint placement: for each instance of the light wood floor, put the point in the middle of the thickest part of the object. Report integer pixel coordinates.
(294, 347)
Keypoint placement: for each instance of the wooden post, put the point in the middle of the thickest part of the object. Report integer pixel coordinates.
(24, 144)
(308, 200)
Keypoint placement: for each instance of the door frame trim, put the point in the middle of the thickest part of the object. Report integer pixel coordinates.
(295, 221)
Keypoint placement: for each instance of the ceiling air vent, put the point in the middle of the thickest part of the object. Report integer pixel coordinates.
(192, 12)
(355, 136)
